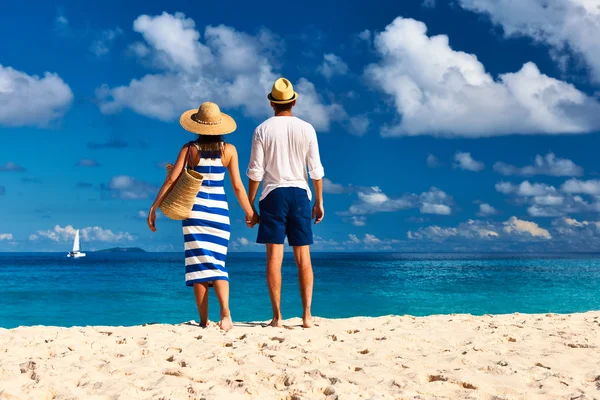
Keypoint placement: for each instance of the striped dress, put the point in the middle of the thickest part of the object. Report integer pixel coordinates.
(206, 232)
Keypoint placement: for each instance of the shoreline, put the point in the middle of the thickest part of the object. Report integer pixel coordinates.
(367, 317)
(509, 356)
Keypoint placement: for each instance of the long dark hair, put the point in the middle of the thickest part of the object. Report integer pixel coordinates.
(210, 145)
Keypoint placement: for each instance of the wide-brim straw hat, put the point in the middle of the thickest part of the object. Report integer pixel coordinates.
(207, 120)
(282, 92)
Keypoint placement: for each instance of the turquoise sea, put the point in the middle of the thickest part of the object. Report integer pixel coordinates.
(131, 289)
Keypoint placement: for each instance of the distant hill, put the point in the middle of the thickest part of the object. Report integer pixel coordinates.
(122, 250)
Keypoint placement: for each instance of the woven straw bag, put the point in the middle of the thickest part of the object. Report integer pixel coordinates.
(179, 201)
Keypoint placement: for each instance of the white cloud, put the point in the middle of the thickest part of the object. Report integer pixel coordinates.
(373, 200)
(432, 161)
(357, 220)
(526, 189)
(440, 91)
(332, 188)
(466, 162)
(85, 162)
(428, 3)
(515, 225)
(543, 165)
(30, 100)
(332, 65)
(6, 236)
(88, 234)
(358, 125)
(567, 26)
(231, 68)
(128, 188)
(435, 201)
(472, 229)
(103, 44)
(365, 35)
(371, 239)
(513, 229)
(62, 20)
(591, 187)
(10, 166)
(485, 210)
(547, 201)
(353, 239)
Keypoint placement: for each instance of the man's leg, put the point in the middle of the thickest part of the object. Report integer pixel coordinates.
(201, 293)
(222, 292)
(305, 277)
(274, 260)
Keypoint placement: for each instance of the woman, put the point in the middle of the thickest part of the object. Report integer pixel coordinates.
(206, 232)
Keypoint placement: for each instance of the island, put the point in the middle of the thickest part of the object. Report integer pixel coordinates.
(122, 250)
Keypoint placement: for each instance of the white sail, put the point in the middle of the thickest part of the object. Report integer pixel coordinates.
(76, 242)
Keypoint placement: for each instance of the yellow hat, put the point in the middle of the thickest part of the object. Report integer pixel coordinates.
(207, 120)
(282, 92)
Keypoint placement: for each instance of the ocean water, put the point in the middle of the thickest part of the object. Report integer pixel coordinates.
(131, 289)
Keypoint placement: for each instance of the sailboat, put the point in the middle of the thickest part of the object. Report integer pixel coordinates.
(76, 253)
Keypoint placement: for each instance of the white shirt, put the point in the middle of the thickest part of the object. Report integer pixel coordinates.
(285, 153)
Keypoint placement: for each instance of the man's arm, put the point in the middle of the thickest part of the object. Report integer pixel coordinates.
(318, 209)
(255, 170)
(252, 191)
(316, 173)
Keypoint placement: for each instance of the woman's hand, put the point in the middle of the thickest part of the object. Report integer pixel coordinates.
(252, 219)
(152, 219)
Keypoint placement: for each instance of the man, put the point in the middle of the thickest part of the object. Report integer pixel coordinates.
(284, 148)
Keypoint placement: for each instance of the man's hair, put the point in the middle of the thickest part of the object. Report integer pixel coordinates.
(283, 107)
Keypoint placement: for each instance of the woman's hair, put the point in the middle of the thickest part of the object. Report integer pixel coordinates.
(210, 145)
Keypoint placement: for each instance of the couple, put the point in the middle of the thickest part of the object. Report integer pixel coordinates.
(284, 154)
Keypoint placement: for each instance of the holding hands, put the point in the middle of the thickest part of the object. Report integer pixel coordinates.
(252, 218)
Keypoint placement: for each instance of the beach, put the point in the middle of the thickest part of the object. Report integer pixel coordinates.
(511, 356)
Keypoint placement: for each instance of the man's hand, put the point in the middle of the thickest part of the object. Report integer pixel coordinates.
(252, 219)
(152, 219)
(318, 212)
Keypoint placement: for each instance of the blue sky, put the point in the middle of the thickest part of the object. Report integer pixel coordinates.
(443, 126)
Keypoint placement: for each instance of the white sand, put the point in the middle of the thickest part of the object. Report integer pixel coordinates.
(513, 356)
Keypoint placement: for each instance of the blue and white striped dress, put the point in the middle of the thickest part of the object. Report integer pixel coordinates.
(206, 232)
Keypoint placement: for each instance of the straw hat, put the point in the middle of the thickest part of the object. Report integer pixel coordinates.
(207, 120)
(282, 92)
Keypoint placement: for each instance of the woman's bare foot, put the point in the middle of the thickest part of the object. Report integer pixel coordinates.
(276, 323)
(226, 324)
(204, 324)
(307, 321)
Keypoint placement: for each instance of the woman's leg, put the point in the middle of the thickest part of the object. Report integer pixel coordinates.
(222, 292)
(201, 293)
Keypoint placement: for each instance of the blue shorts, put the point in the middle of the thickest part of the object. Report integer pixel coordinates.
(285, 212)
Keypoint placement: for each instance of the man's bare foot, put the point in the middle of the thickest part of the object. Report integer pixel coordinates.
(204, 324)
(276, 323)
(307, 321)
(226, 324)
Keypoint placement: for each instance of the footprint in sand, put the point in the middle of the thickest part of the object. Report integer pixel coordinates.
(437, 378)
(173, 373)
(278, 339)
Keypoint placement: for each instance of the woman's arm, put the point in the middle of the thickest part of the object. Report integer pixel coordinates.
(169, 181)
(238, 186)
